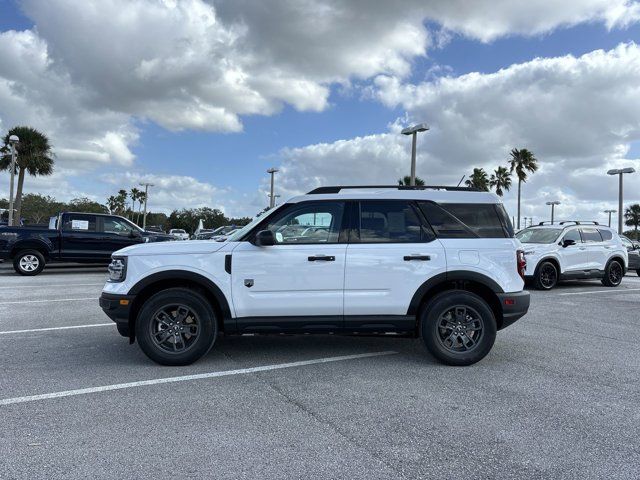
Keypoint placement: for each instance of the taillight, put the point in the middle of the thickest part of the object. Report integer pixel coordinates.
(521, 262)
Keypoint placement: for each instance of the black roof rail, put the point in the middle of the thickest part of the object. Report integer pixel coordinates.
(338, 188)
(579, 222)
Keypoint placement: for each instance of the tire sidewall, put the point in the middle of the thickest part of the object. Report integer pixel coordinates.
(206, 337)
(606, 281)
(538, 282)
(23, 253)
(429, 327)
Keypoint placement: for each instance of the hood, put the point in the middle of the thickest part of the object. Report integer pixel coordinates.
(171, 248)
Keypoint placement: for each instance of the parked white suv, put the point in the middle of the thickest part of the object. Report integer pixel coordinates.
(179, 234)
(440, 263)
(573, 250)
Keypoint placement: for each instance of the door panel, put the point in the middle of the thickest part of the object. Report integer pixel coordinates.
(80, 238)
(574, 257)
(597, 254)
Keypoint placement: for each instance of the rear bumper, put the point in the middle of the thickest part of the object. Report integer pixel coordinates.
(514, 306)
(117, 307)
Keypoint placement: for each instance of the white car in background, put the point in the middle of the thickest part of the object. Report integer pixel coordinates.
(573, 250)
(179, 234)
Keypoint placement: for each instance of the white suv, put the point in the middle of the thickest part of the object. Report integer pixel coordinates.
(573, 250)
(440, 263)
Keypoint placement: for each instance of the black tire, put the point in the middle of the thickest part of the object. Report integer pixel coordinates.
(546, 276)
(172, 316)
(123, 329)
(28, 262)
(638, 272)
(613, 274)
(439, 339)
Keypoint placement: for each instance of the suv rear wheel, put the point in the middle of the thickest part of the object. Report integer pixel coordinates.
(176, 326)
(613, 274)
(458, 328)
(546, 276)
(28, 262)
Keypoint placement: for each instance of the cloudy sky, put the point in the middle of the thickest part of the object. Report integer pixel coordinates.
(201, 97)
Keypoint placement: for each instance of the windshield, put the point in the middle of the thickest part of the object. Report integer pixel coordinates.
(538, 235)
(244, 230)
(178, 231)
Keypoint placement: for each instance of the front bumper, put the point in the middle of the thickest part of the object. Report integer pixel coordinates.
(514, 306)
(117, 307)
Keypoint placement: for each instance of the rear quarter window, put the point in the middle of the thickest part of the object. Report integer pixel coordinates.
(468, 220)
(606, 234)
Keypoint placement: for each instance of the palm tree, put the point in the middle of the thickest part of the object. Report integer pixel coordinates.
(406, 181)
(135, 195)
(522, 161)
(478, 179)
(632, 217)
(34, 157)
(500, 180)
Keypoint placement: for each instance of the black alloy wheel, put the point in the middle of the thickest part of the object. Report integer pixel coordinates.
(613, 274)
(547, 276)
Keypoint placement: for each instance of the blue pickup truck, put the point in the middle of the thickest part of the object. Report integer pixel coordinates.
(71, 237)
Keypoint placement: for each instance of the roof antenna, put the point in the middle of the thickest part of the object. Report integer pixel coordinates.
(460, 180)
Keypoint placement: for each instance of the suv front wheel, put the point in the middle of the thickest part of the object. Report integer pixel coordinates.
(458, 327)
(546, 276)
(176, 326)
(613, 274)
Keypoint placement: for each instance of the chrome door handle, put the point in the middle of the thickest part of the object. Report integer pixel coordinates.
(424, 258)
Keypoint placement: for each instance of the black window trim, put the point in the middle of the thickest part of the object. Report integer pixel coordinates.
(80, 216)
(564, 234)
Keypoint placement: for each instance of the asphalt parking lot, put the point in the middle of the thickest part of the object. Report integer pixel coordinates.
(556, 398)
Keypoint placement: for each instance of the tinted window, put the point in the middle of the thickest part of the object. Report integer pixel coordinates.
(591, 235)
(317, 222)
(391, 222)
(116, 225)
(467, 220)
(606, 234)
(538, 235)
(573, 235)
(627, 243)
(79, 223)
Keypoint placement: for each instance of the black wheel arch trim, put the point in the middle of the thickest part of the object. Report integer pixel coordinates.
(619, 260)
(547, 259)
(460, 275)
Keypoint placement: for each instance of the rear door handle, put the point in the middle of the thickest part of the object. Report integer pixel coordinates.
(424, 258)
(322, 258)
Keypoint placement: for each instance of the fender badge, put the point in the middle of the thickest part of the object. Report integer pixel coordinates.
(248, 282)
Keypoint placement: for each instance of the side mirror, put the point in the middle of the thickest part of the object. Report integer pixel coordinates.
(265, 238)
(568, 243)
(134, 234)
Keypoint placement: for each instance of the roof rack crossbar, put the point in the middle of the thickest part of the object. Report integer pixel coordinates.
(338, 188)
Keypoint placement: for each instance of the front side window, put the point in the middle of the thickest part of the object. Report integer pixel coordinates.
(308, 223)
(591, 235)
(573, 235)
(79, 223)
(391, 222)
(117, 226)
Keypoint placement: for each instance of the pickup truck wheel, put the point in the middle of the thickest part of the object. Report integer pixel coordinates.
(176, 326)
(546, 276)
(458, 328)
(638, 272)
(613, 274)
(28, 262)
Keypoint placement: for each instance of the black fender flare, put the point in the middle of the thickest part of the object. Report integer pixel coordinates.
(625, 267)
(545, 259)
(454, 275)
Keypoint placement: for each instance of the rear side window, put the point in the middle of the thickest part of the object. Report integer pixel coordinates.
(606, 234)
(591, 235)
(79, 223)
(467, 220)
(391, 222)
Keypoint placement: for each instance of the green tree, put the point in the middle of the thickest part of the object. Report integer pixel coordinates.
(632, 217)
(522, 161)
(87, 205)
(406, 181)
(134, 193)
(478, 179)
(35, 157)
(500, 180)
(38, 208)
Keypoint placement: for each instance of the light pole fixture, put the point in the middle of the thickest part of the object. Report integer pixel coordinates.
(13, 142)
(610, 212)
(421, 127)
(272, 199)
(146, 199)
(620, 172)
(553, 204)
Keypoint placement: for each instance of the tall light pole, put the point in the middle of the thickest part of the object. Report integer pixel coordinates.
(610, 212)
(13, 141)
(553, 204)
(146, 199)
(620, 172)
(421, 127)
(272, 199)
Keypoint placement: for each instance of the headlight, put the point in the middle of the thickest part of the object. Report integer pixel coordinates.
(118, 269)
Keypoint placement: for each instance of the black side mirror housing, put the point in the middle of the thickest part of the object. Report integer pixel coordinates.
(568, 243)
(265, 238)
(134, 234)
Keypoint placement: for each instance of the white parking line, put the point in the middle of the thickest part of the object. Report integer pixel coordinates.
(30, 330)
(47, 301)
(186, 378)
(611, 290)
(56, 286)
